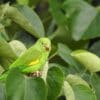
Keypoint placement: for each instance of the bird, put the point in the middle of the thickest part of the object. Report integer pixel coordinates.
(33, 59)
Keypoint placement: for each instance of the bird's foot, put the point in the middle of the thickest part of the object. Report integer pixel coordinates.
(35, 74)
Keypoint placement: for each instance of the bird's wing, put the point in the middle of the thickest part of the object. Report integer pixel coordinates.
(29, 58)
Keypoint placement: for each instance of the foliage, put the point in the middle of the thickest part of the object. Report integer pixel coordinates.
(72, 69)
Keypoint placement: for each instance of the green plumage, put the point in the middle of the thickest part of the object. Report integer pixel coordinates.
(36, 52)
(34, 58)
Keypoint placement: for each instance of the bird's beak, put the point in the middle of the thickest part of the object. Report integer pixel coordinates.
(47, 47)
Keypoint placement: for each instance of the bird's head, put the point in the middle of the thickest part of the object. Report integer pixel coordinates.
(45, 43)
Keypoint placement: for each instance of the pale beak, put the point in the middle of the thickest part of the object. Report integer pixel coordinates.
(47, 47)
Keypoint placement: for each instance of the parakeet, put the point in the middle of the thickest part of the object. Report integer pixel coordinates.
(34, 58)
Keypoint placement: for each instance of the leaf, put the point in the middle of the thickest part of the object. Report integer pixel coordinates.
(21, 87)
(62, 67)
(78, 89)
(84, 19)
(2, 92)
(7, 56)
(68, 91)
(34, 3)
(1, 69)
(3, 33)
(23, 2)
(55, 8)
(96, 85)
(62, 35)
(76, 80)
(89, 1)
(64, 52)
(95, 48)
(83, 93)
(25, 38)
(88, 59)
(30, 3)
(18, 47)
(55, 79)
(93, 30)
(27, 19)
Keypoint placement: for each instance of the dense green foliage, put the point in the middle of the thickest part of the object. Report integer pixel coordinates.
(72, 69)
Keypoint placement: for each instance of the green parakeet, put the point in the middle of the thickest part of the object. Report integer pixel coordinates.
(34, 58)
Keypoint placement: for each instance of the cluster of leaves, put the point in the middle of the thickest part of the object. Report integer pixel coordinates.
(70, 25)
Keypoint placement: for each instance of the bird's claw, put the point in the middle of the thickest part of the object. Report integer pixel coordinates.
(35, 74)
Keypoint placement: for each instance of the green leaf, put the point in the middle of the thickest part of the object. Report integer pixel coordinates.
(23, 2)
(25, 38)
(90, 61)
(84, 20)
(55, 8)
(83, 93)
(55, 79)
(62, 35)
(27, 19)
(1, 69)
(95, 48)
(96, 85)
(62, 67)
(76, 80)
(7, 56)
(64, 52)
(2, 92)
(3, 33)
(18, 47)
(68, 91)
(21, 87)
(34, 3)
(78, 89)
(89, 1)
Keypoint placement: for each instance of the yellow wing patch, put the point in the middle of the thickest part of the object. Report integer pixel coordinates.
(34, 62)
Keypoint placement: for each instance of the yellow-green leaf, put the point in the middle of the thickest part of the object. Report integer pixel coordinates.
(76, 80)
(88, 59)
(68, 91)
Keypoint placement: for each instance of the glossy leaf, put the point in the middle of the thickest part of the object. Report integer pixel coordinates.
(27, 19)
(3, 33)
(21, 87)
(55, 81)
(83, 19)
(76, 80)
(95, 48)
(57, 12)
(96, 85)
(23, 2)
(2, 91)
(83, 93)
(68, 91)
(7, 56)
(88, 59)
(64, 52)
(62, 35)
(18, 47)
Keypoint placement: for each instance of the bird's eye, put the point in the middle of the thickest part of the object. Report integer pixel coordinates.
(42, 43)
